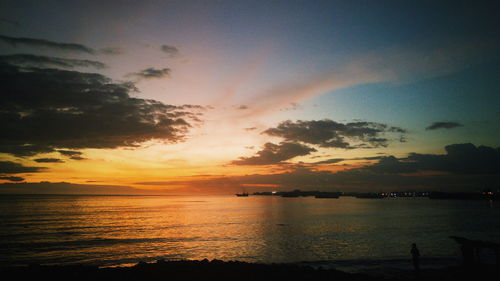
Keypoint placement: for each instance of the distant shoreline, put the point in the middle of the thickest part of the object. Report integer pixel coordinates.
(478, 196)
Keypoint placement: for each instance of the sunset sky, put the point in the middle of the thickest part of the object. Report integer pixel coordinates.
(174, 97)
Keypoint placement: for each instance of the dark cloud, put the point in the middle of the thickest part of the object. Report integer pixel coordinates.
(391, 165)
(459, 159)
(443, 125)
(9, 167)
(70, 152)
(48, 160)
(368, 157)
(70, 47)
(251, 129)
(74, 155)
(47, 109)
(337, 160)
(193, 106)
(77, 158)
(170, 50)
(330, 161)
(23, 150)
(32, 42)
(12, 178)
(28, 60)
(152, 73)
(275, 154)
(242, 107)
(328, 133)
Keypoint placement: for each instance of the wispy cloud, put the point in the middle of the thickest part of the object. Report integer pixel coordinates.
(151, 72)
(275, 154)
(70, 47)
(9, 167)
(11, 178)
(443, 125)
(46, 61)
(397, 65)
(171, 51)
(49, 160)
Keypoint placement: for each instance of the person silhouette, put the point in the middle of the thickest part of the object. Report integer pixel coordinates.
(415, 257)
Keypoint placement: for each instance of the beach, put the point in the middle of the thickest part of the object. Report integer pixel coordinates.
(217, 270)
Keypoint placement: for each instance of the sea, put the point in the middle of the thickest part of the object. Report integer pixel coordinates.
(348, 233)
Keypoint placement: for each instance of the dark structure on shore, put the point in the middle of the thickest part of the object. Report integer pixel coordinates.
(471, 250)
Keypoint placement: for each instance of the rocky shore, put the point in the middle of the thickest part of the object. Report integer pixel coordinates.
(217, 270)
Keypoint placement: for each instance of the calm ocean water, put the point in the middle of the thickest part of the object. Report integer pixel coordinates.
(116, 230)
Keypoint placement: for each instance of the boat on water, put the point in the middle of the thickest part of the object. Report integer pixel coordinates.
(244, 194)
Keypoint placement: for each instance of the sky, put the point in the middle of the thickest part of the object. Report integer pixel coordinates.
(216, 97)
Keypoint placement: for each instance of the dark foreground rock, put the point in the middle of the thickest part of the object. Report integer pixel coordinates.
(224, 271)
(180, 270)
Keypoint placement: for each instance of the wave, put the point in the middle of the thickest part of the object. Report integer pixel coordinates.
(90, 242)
